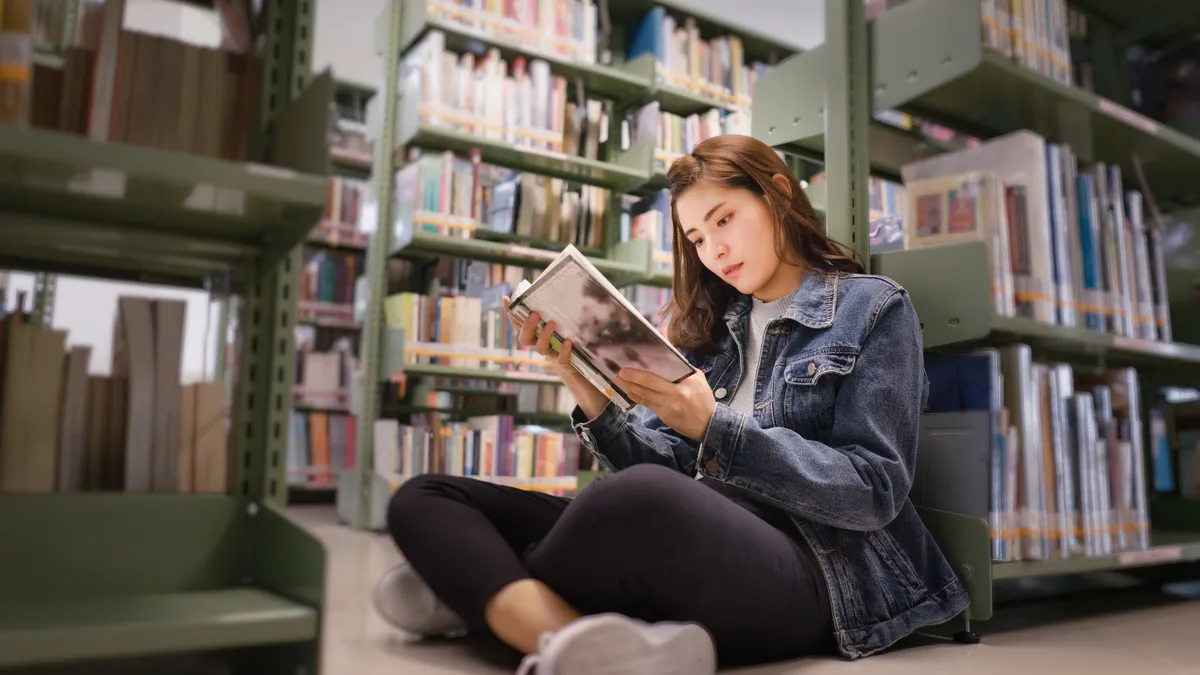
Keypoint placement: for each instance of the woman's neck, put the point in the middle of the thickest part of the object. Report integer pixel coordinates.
(785, 282)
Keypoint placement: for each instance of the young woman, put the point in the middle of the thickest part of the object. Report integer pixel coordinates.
(757, 511)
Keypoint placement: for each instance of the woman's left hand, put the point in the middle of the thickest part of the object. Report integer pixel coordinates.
(686, 407)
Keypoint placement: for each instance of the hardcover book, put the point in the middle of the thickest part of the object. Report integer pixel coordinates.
(606, 332)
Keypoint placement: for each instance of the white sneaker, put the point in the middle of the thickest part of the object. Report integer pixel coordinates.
(612, 644)
(405, 601)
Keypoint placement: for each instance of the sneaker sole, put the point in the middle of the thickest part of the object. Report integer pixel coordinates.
(613, 645)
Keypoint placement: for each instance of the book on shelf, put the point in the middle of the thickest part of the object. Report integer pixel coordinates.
(321, 445)
(136, 429)
(1073, 239)
(676, 135)
(491, 447)
(649, 218)
(445, 194)
(522, 103)
(325, 367)
(562, 29)
(1174, 453)
(607, 333)
(328, 278)
(966, 207)
(1049, 455)
(1034, 33)
(715, 67)
(125, 86)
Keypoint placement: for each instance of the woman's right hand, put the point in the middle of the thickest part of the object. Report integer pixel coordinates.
(529, 336)
(590, 399)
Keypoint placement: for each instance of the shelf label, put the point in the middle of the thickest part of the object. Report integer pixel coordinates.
(1128, 116)
(1151, 556)
(109, 183)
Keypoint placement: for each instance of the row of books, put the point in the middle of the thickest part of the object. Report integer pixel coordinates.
(325, 368)
(450, 195)
(522, 103)
(1058, 449)
(330, 276)
(490, 446)
(125, 86)
(1069, 244)
(715, 67)
(457, 331)
(649, 218)
(138, 429)
(1034, 33)
(320, 446)
(676, 135)
(346, 200)
(565, 29)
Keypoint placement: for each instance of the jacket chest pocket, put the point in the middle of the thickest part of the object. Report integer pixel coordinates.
(810, 386)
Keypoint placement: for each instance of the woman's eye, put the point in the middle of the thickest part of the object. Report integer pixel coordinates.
(723, 221)
(697, 242)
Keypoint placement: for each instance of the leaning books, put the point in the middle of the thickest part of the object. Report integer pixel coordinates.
(606, 332)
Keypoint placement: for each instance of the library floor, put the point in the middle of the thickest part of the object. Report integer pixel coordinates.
(1111, 631)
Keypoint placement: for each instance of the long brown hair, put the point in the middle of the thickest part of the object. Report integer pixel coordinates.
(700, 298)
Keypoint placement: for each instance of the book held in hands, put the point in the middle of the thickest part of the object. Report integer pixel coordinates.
(606, 332)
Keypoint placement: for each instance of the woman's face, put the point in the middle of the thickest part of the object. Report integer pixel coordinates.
(734, 236)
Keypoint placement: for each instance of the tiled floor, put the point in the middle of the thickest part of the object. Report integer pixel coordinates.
(1115, 631)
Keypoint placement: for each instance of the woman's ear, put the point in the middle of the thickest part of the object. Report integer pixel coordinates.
(783, 183)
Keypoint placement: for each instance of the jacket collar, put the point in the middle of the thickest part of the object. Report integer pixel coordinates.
(812, 306)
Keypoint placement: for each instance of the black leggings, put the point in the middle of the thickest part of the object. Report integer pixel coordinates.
(646, 542)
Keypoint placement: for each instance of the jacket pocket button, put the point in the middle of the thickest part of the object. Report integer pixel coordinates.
(720, 392)
(812, 368)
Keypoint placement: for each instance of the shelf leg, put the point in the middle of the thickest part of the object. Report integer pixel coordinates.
(966, 636)
(848, 106)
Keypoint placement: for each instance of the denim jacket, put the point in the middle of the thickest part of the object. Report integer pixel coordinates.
(832, 441)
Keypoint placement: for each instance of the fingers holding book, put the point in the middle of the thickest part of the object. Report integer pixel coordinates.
(532, 333)
(686, 406)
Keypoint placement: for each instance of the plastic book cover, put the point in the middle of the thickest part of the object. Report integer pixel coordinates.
(606, 331)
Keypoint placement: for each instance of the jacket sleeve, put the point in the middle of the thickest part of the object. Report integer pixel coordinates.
(861, 479)
(622, 439)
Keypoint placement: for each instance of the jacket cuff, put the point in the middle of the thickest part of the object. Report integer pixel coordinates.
(610, 422)
(721, 441)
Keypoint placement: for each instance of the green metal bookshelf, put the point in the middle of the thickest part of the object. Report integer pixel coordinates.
(398, 124)
(926, 58)
(86, 577)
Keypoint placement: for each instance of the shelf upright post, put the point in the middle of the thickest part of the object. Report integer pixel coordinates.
(378, 250)
(266, 365)
(848, 106)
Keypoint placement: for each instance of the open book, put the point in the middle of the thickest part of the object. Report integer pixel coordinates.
(606, 332)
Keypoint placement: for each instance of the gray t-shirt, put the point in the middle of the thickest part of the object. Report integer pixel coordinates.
(761, 314)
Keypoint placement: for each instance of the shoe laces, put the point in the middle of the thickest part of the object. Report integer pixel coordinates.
(530, 663)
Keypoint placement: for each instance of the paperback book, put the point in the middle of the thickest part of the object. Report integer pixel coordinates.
(606, 331)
